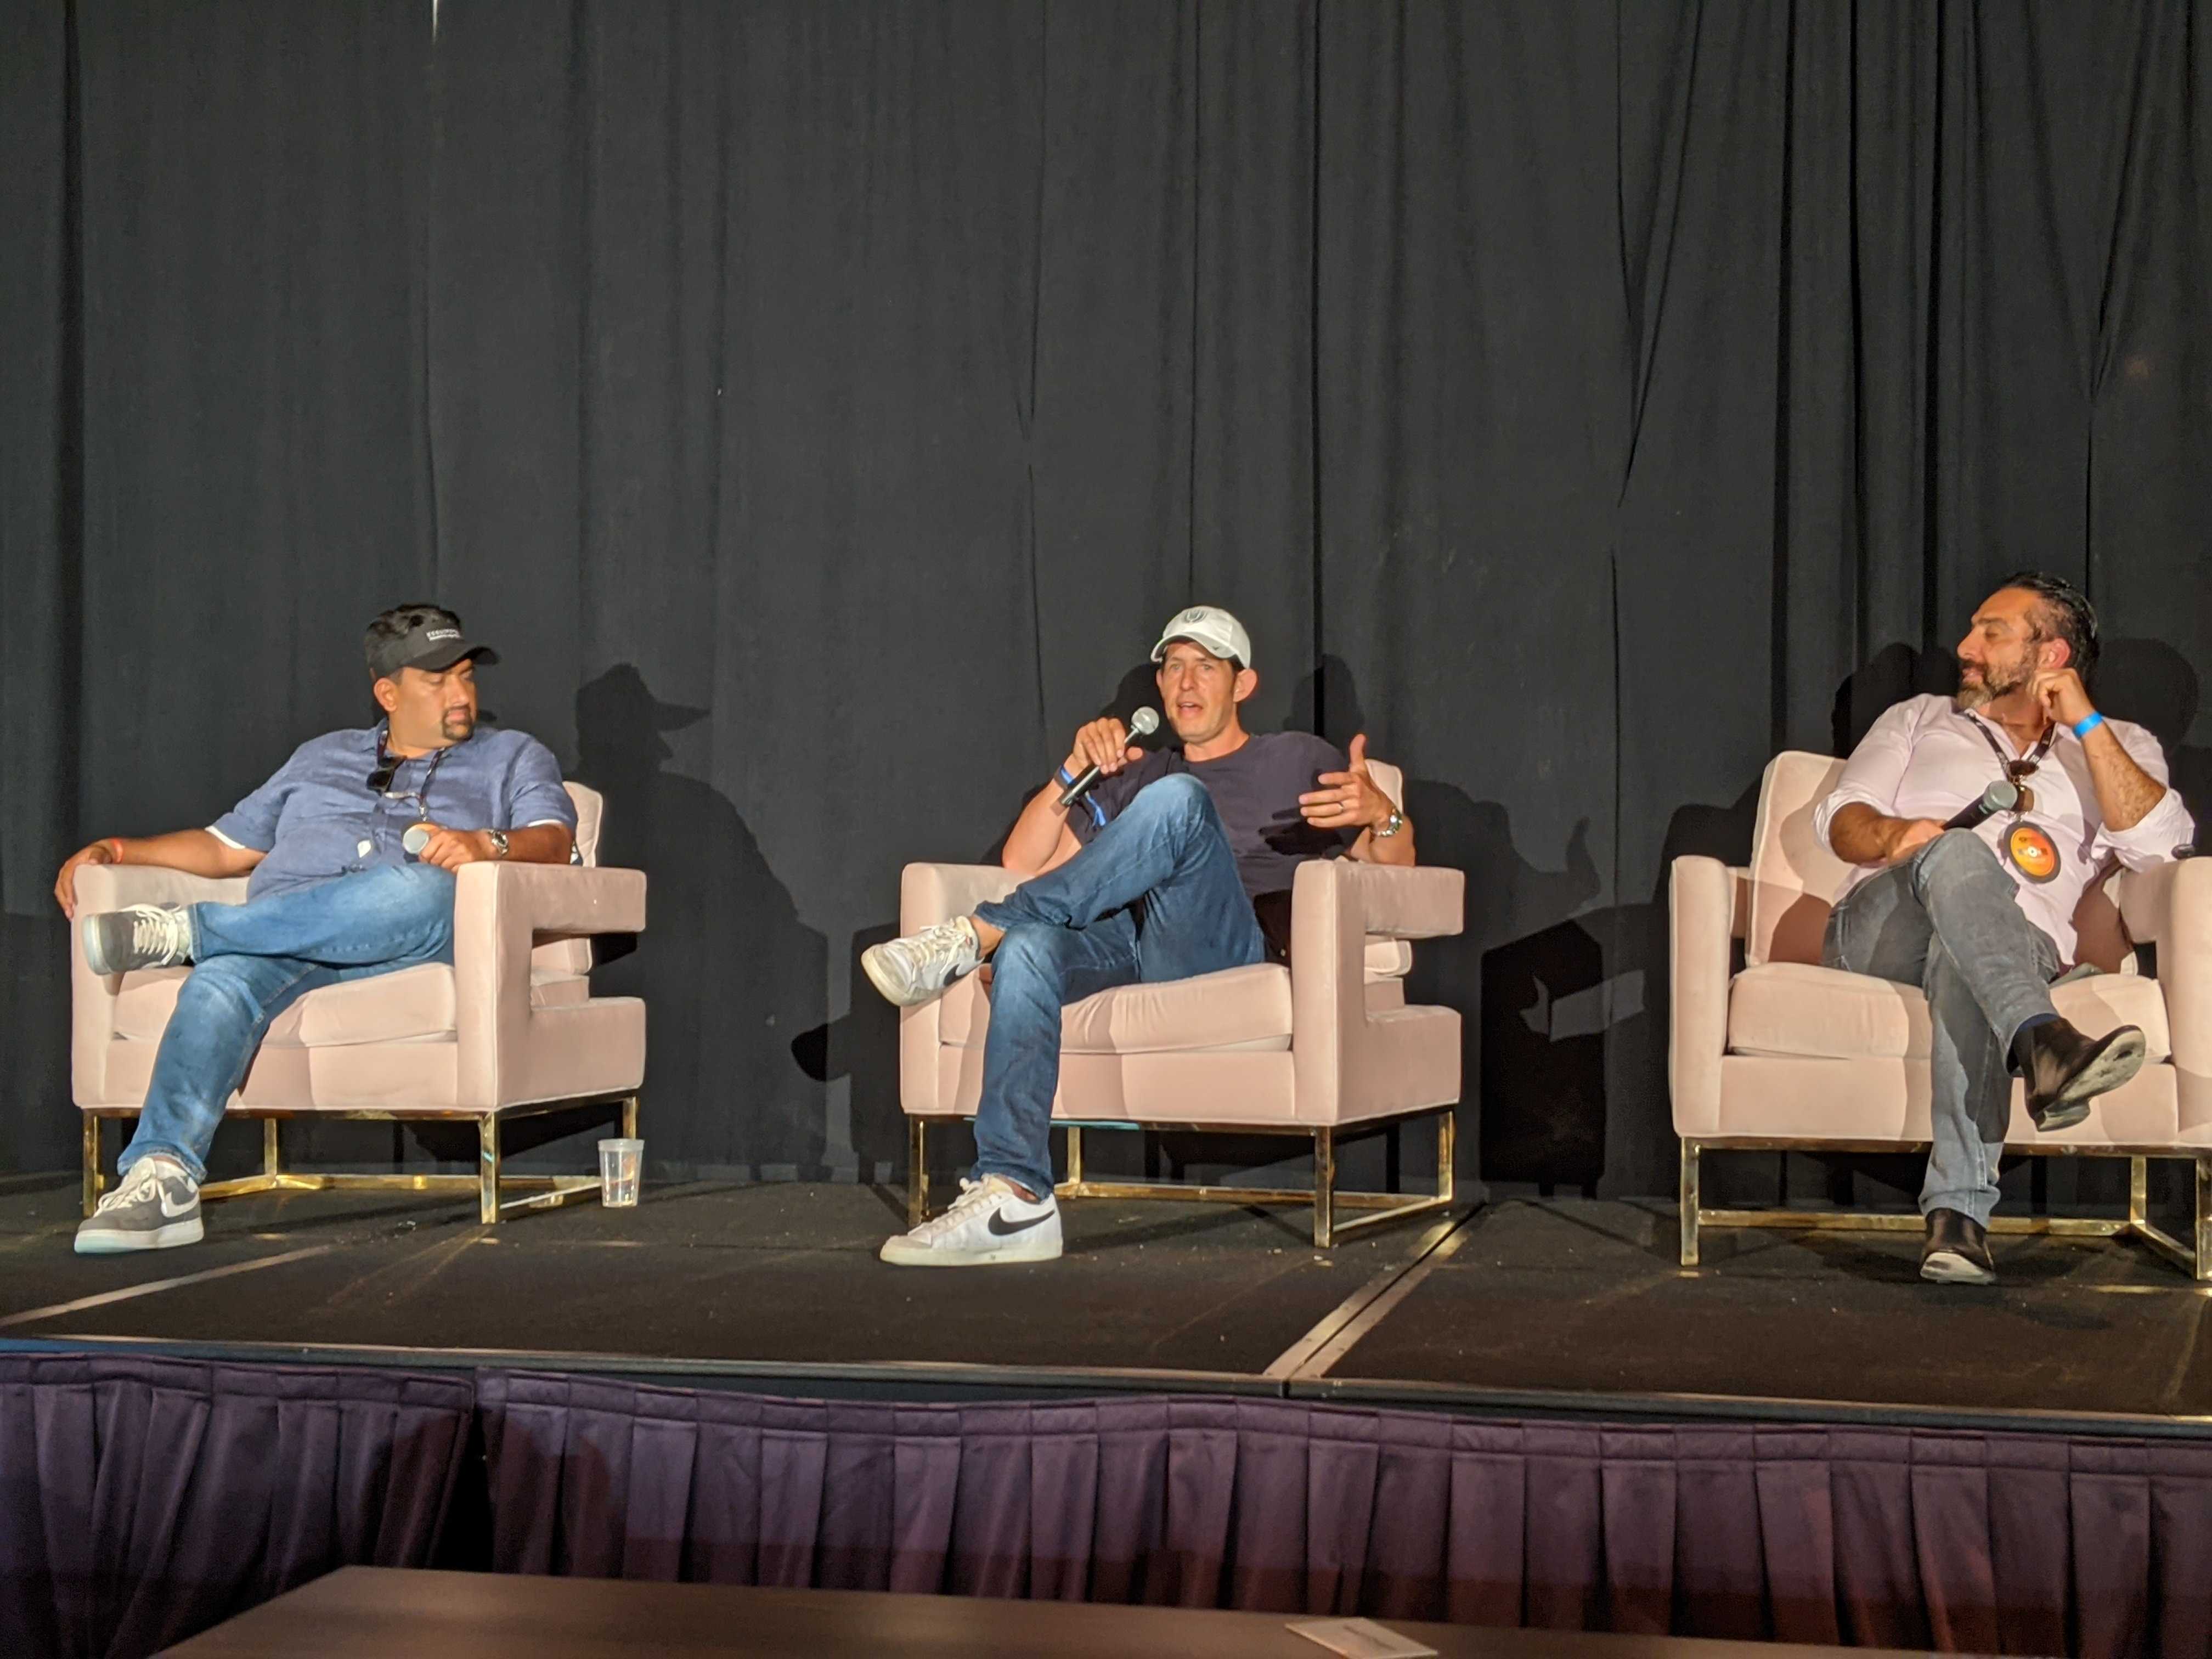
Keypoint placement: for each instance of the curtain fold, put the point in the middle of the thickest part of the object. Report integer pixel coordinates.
(1995, 1542)
(142, 1500)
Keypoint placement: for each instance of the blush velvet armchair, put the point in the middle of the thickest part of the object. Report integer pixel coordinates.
(510, 1030)
(1770, 1051)
(1326, 1048)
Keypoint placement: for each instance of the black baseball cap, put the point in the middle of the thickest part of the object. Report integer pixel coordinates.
(425, 637)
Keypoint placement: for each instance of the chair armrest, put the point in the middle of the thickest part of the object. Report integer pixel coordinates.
(1702, 927)
(1403, 901)
(2173, 904)
(1335, 904)
(499, 910)
(2156, 901)
(101, 888)
(104, 887)
(931, 893)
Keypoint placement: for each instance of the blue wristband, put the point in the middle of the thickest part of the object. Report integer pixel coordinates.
(2088, 725)
(1066, 781)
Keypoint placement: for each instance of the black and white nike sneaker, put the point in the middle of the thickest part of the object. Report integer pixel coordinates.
(156, 1206)
(990, 1223)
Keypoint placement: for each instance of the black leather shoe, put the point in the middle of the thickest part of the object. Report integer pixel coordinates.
(1957, 1251)
(2063, 1069)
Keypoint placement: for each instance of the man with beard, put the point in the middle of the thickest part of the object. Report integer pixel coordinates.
(1982, 919)
(336, 894)
(1178, 863)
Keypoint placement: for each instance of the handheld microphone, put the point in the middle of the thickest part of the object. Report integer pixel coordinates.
(2002, 796)
(1142, 724)
(416, 838)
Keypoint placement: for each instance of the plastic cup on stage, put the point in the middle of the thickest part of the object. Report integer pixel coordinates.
(619, 1160)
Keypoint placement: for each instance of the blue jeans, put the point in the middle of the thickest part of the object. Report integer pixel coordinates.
(1073, 932)
(1947, 920)
(252, 962)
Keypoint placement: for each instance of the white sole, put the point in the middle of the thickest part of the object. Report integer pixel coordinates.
(892, 992)
(121, 1243)
(1949, 1268)
(920, 1256)
(2108, 1072)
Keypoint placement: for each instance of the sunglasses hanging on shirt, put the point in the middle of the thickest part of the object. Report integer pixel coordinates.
(387, 767)
(2017, 771)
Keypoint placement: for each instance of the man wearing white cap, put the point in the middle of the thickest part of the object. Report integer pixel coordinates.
(1177, 863)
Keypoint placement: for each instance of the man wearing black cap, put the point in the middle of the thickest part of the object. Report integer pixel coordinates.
(336, 894)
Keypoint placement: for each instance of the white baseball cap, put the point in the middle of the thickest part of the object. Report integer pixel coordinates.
(1210, 626)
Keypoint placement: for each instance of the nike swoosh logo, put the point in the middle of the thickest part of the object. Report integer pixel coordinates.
(999, 1227)
(185, 1208)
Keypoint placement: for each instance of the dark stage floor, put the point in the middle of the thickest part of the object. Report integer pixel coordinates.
(1525, 1305)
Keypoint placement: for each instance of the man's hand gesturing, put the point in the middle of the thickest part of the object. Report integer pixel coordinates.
(1105, 745)
(1350, 799)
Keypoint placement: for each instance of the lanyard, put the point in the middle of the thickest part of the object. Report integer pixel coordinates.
(2018, 770)
(419, 793)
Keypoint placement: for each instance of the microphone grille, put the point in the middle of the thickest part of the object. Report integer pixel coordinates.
(1144, 722)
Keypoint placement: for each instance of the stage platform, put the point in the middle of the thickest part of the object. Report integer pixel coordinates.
(1561, 1307)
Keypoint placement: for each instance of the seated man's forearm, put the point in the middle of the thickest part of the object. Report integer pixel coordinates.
(541, 844)
(1397, 849)
(1860, 835)
(1036, 837)
(195, 852)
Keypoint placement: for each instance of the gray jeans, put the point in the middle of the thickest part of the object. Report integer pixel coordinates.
(1947, 920)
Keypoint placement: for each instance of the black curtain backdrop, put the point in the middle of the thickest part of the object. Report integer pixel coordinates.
(822, 406)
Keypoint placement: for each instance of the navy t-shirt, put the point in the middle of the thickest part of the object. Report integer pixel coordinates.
(1255, 789)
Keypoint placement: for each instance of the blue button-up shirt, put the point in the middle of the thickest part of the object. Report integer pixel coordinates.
(317, 818)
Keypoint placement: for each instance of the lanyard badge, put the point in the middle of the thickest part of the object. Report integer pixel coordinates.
(2027, 847)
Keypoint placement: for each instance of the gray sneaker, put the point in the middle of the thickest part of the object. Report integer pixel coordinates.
(156, 1207)
(917, 967)
(139, 935)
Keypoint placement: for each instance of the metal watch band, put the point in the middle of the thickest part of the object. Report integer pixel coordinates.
(1392, 826)
(498, 841)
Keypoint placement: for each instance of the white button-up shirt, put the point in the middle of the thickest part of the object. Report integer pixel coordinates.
(1926, 758)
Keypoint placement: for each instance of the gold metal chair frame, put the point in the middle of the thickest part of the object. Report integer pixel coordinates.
(2194, 1258)
(489, 1183)
(1323, 1196)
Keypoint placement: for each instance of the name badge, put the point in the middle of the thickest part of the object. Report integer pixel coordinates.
(2030, 851)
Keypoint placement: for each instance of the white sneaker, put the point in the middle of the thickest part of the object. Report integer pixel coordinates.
(137, 936)
(990, 1223)
(917, 967)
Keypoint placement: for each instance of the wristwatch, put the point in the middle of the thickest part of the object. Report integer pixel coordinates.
(498, 838)
(1391, 825)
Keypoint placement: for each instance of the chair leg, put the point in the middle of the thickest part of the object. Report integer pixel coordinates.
(1689, 1202)
(2138, 1191)
(1075, 1155)
(917, 1171)
(1448, 1154)
(2204, 1238)
(272, 1162)
(488, 1169)
(90, 1196)
(1324, 1199)
(629, 1117)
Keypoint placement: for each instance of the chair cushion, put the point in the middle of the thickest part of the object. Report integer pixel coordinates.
(1795, 1010)
(1239, 1008)
(410, 1005)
